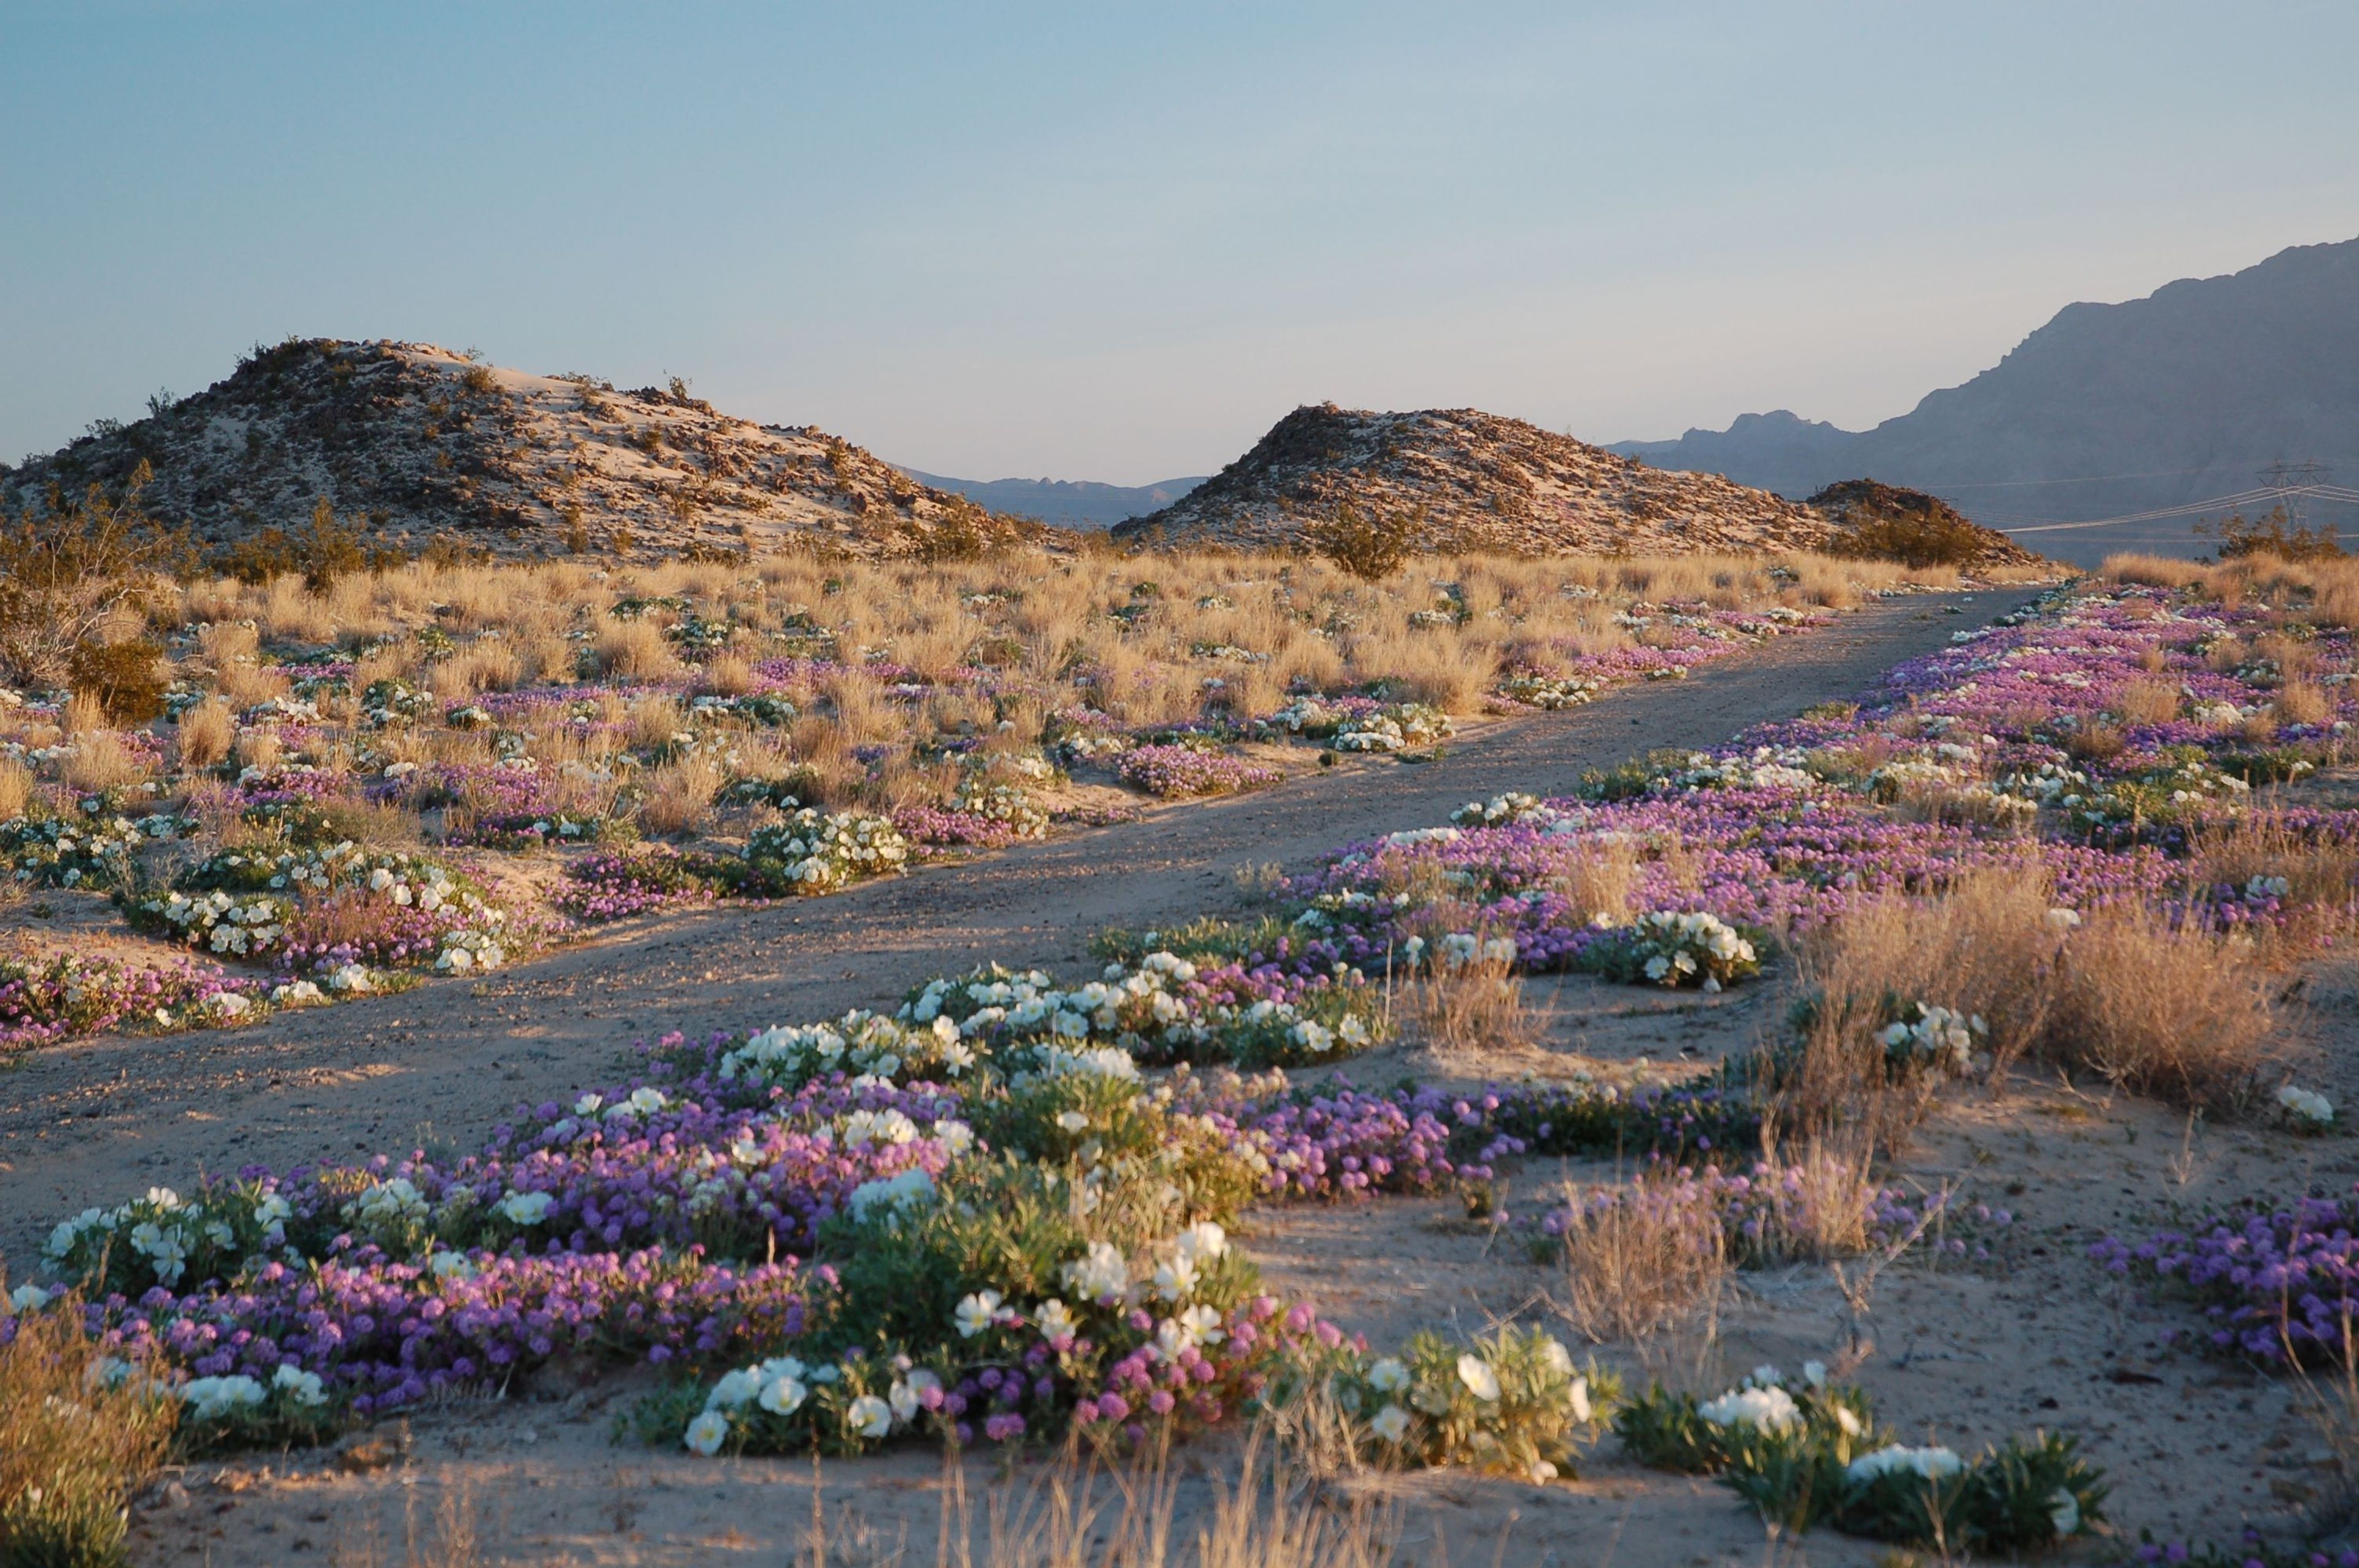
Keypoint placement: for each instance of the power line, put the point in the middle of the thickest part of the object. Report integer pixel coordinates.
(2280, 494)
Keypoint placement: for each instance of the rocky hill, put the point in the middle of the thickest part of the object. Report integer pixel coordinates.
(2107, 411)
(415, 442)
(1910, 527)
(1480, 481)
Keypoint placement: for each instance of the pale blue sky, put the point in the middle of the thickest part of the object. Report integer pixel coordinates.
(1116, 241)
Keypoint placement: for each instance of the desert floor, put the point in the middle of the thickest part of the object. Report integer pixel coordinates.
(2036, 1336)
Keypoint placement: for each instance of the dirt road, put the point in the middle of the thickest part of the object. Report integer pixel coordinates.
(96, 1121)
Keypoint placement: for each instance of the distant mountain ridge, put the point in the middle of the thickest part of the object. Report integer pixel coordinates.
(1067, 503)
(412, 441)
(2106, 410)
(1477, 481)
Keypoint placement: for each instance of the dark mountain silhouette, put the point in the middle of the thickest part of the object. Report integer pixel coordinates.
(1068, 503)
(2107, 410)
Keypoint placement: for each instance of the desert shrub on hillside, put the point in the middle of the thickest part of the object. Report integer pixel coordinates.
(125, 678)
(1369, 546)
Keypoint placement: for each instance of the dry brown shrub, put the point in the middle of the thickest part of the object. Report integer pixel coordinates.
(2151, 701)
(71, 1447)
(2179, 1014)
(1649, 1259)
(2094, 740)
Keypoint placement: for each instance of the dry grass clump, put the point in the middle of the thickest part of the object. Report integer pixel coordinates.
(1474, 1006)
(2149, 702)
(1642, 1263)
(17, 789)
(2320, 872)
(2179, 1014)
(680, 794)
(1602, 878)
(100, 760)
(205, 733)
(71, 1448)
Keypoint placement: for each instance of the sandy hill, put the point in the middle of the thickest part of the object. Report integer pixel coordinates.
(1481, 481)
(414, 442)
(2107, 411)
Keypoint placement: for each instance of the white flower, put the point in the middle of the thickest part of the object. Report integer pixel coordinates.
(2304, 1104)
(302, 1387)
(1201, 1242)
(1387, 1375)
(979, 1311)
(1175, 1281)
(1932, 1464)
(1770, 1409)
(1852, 1425)
(1391, 1424)
(1100, 1273)
(1480, 1379)
(914, 1186)
(210, 1398)
(1055, 1320)
(1815, 1374)
(707, 1432)
(525, 1208)
(1072, 1120)
(870, 1416)
(2064, 1512)
(783, 1395)
(1582, 1411)
(23, 1298)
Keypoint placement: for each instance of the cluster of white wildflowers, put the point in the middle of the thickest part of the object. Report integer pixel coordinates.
(860, 1044)
(1131, 1007)
(813, 1397)
(236, 1395)
(1460, 950)
(822, 852)
(467, 950)
(164, 1232)
(2306, 1109)
(57, 852)
(1003, 803)
(1674, 947)
(1551, 692)
(1765, 768)
(239, 925)
(1934, 1038)
(1513, 1403)
(1500, 811)
(1394, 728)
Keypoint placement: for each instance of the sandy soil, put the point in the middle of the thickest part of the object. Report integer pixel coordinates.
(1965, 1350)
